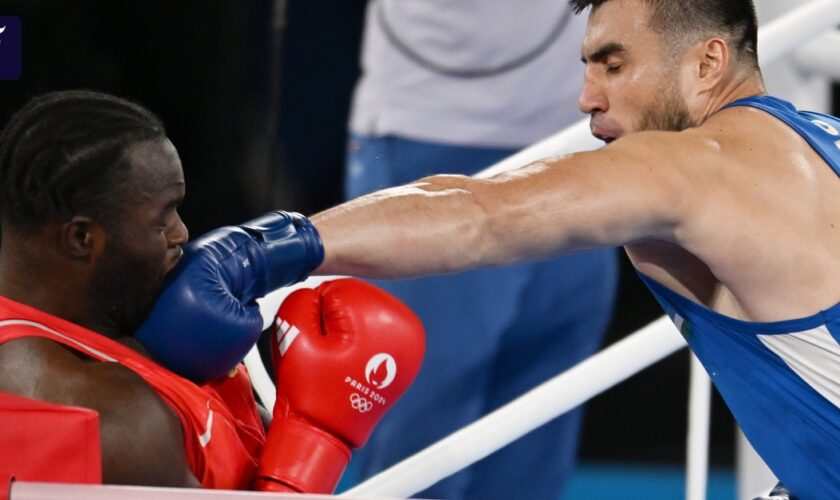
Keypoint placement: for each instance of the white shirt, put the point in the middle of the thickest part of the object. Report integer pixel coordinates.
(399, 95)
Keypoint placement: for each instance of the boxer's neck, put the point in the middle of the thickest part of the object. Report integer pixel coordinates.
(732, 90)
(31, 273)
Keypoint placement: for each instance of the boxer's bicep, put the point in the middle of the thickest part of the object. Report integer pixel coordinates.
(633, 190)
(141, 438)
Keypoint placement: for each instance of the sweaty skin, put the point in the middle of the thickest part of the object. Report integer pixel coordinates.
(737, 212)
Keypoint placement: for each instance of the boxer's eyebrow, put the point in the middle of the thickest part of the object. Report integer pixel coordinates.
(175, 202)
(603, 52)
(172, 203)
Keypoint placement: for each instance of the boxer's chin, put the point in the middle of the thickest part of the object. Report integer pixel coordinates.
(136, 313)
(670, 113)
(122, 291)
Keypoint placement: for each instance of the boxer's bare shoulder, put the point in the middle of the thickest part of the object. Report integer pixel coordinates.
(760, 243)
(136, 426)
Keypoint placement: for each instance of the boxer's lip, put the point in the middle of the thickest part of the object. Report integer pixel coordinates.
(603, 129)
(176, 255)
(606, 138)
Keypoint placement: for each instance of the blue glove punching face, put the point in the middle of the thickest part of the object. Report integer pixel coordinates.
(206, 319)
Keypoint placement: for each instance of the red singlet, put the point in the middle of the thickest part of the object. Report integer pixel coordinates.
(223, 435)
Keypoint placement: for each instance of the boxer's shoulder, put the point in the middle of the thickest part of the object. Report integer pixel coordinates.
(743, 129)
(45, 369)
(136, 424)
(25, 362)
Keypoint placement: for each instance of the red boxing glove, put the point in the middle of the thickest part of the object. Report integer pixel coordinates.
(343, 354)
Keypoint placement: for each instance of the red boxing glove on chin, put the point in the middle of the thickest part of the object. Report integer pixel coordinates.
(343, 354)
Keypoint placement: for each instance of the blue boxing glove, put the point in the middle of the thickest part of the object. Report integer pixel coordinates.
(206, 319)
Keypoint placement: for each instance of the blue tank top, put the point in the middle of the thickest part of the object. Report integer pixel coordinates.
(781, 380)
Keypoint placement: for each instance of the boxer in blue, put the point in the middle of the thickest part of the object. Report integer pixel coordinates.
(725, 199)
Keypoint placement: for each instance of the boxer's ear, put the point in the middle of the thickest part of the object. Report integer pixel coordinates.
(81, 237)
(711, 60)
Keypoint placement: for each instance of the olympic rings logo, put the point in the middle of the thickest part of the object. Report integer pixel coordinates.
(359, 403)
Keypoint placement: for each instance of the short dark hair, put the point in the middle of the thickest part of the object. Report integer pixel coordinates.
(64, 153)
(736, 20)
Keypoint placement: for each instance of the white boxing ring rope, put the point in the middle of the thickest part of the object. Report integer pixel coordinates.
(543, 403)
(697, 438)
(550, 399)
(821, 56)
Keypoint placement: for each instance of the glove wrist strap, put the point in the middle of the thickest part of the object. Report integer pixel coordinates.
(292, 246)
(302, 456)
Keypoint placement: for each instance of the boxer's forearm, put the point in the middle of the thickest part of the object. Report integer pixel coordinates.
(435, 225)
(450, 223)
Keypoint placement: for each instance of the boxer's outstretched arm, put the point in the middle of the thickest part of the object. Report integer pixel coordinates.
(637, 188)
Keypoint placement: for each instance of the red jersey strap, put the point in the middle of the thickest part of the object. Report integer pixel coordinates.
(222, 448)
(11, 329)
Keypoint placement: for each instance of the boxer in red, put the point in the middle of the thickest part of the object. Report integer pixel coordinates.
(89, 191)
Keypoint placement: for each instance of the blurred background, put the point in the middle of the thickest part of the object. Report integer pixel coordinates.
(255, 96)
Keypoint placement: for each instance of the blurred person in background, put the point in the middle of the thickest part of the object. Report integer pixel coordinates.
(455, 87)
